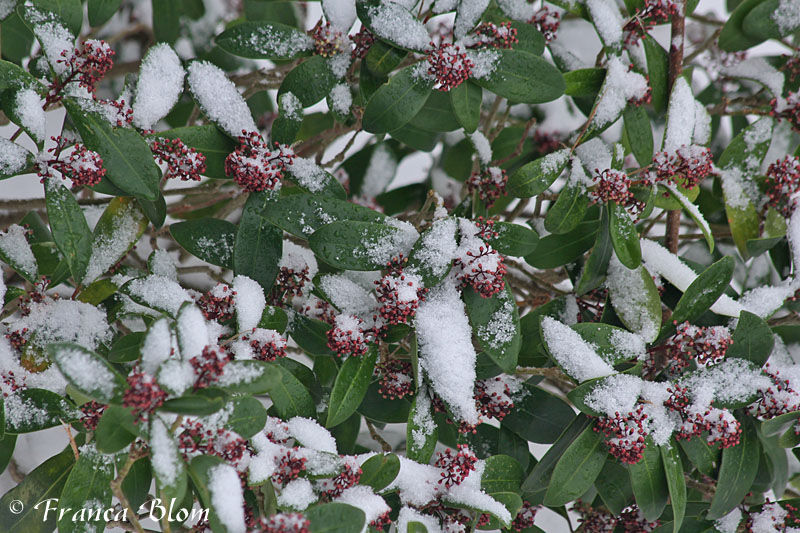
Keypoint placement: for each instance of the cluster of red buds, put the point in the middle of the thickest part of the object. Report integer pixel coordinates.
(788, 109)
(599, 520)
(209, 366)
(363, 41)
(143, 394)
(9, 382)
(525, 517)
(217, 303)
(455, 468)
(625, 434)
(327, 41)
(91, 412)
(482, 268)
(198, 439)
(38, 293)
(494, 397)
(119, 113)
(381, 523)
(83, 166)
(792, 67)
(267, 344)
(546, 22)
(782, 183)
(705, 345)
(614, 186)
(277, 431)
(547, 142)
(399, 295)
(632, 520)
(720, 425)
(283, 523)
(778, 399)
(346, 338)
(182, 161)
(645, 98)
(773, 516)
(653, 12)
(86, 65)
(17, 338)
(449, 65)
(289, 467)
(692, 162)
(290, 282)
(488, 34)
(254, 167)
(395, 379)
(490, 183)
(348, 477)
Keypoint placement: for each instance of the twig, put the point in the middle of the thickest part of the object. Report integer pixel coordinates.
(71, 437)
(385, 446)
(116, 485)
(675, 70)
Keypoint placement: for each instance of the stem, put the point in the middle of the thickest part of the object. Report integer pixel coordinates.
(675, 70)
(116, 485)
(385, 446)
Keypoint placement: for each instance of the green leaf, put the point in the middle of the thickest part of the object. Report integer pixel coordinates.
(514, 239)
(193, 404)
(171, 478)
(624, 237)
(166, 20)
(752, 339)
(69, 12)
(376, 407)
(556, 250)
(126, 348)
(310, 334)
(200, 472)
(12, 75)
(303, 214)
(614, 487)
(732, 38)
(88, 372)
(379, 470)
(759, 23)
(42, 409)
(112, 433)
(704, 291)
(539, 416)
(703, 456)
(436, 115)
(89, 481)
(116, 232)
(523, 77)
(596, 265)
(259, 245)
(465, 100)
(416, 430)
(310, 81)
(737, 473)
(568, 210)
(350, 387)
(45, 482)
(209, 239)
(335, 517)
(397, 102)
(673, 469)
(383, 58)
(351, 245)
(100, 11)
(209, 141)
(136, 484)
(495, 322)
(602, 337)
(639, 311)
(248, 416)
(265, 40)
(287, 124)
(649, 482)
(657, 71)
(16, 40)
(386, 22)
(535, 177)
(577, 468)
(126, 156)
(501, 473)
(585, 82)
(289, 396)
(639, 134)
(70, 230)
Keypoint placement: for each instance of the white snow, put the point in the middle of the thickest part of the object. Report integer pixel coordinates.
(159, 292)
(249, 302)
(520, 10)
(607, 19)
(13, 157)
(438, 246)
(311, 435)
(85, 371)
(787, 15)
(381, 249)
(14, 246)
(163, 452)
(157, 346)
(620, 86)
(308, 174)
(226, 497)
(340, 13)
(161, 264)
(290, 106)
(576, 356)
(423, 419)
(446, 354)
(680, 123)
(66, 321)
(482, 147)
(730, 522)
(219, 98)
(265, 40)
(341, 99)
(380, 171)
(396, 24)
(298, 494)
(192, 331)
(468, 14)
(629, 297)
(159, 87)
(346, 295)
(7, 7)
(54, 37)
(28, 107)
(109, 248)
(363, 498)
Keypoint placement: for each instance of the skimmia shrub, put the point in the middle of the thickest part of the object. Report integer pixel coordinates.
(337, 266)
